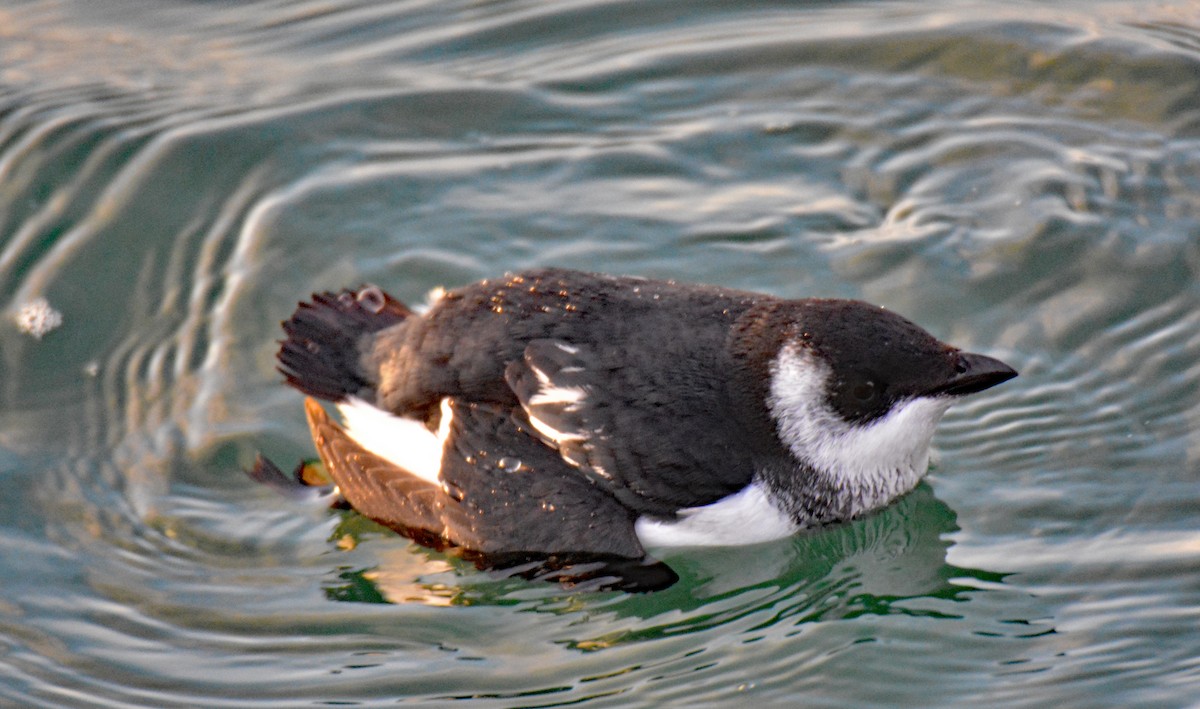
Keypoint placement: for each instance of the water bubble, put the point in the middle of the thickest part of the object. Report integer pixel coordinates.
(372, 298)
(512, 465)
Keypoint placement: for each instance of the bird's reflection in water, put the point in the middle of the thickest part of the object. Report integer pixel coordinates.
(866, 566)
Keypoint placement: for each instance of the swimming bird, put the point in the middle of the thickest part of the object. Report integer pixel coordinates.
(561, 414)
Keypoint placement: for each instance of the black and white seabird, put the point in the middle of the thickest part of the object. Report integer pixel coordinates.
(555, 412)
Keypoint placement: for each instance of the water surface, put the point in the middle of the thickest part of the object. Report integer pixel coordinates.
(1022, 179)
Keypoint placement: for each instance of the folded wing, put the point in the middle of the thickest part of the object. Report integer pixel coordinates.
(643, 430)
(501, 490)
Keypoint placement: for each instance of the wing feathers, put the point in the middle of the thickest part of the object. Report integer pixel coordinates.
(371, 484)
(501, 491)
(614, 420)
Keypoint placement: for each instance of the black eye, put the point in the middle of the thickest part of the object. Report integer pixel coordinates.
(864, 391)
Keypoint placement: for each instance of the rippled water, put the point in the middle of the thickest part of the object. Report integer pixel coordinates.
(1020, 178)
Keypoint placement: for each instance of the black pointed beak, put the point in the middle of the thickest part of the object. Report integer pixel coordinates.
(974, 373)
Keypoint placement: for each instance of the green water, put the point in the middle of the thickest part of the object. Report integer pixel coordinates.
(1022, 179)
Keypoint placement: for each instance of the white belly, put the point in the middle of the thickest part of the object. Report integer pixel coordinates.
(746, 517)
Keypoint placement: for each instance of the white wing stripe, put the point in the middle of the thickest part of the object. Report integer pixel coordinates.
(571, 396)
(403, 442)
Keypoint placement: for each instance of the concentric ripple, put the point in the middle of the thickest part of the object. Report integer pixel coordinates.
(1023, 180)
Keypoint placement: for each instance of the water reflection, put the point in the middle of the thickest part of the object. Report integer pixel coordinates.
(878, 565)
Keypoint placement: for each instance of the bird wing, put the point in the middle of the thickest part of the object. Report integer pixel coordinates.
(661, 434)
(379, 489)
(501, 491)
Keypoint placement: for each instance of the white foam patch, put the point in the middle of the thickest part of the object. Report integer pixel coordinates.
(403, 442)
(875, 462)
(746, 517)
(38, 317)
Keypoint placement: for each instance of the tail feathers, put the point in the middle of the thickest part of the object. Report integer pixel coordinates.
(321, 354)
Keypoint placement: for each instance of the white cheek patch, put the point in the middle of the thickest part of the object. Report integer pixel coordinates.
(877, 461)
(404, 442)
(746, 517)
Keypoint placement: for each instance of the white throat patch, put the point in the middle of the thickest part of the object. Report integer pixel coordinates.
(873, 463)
